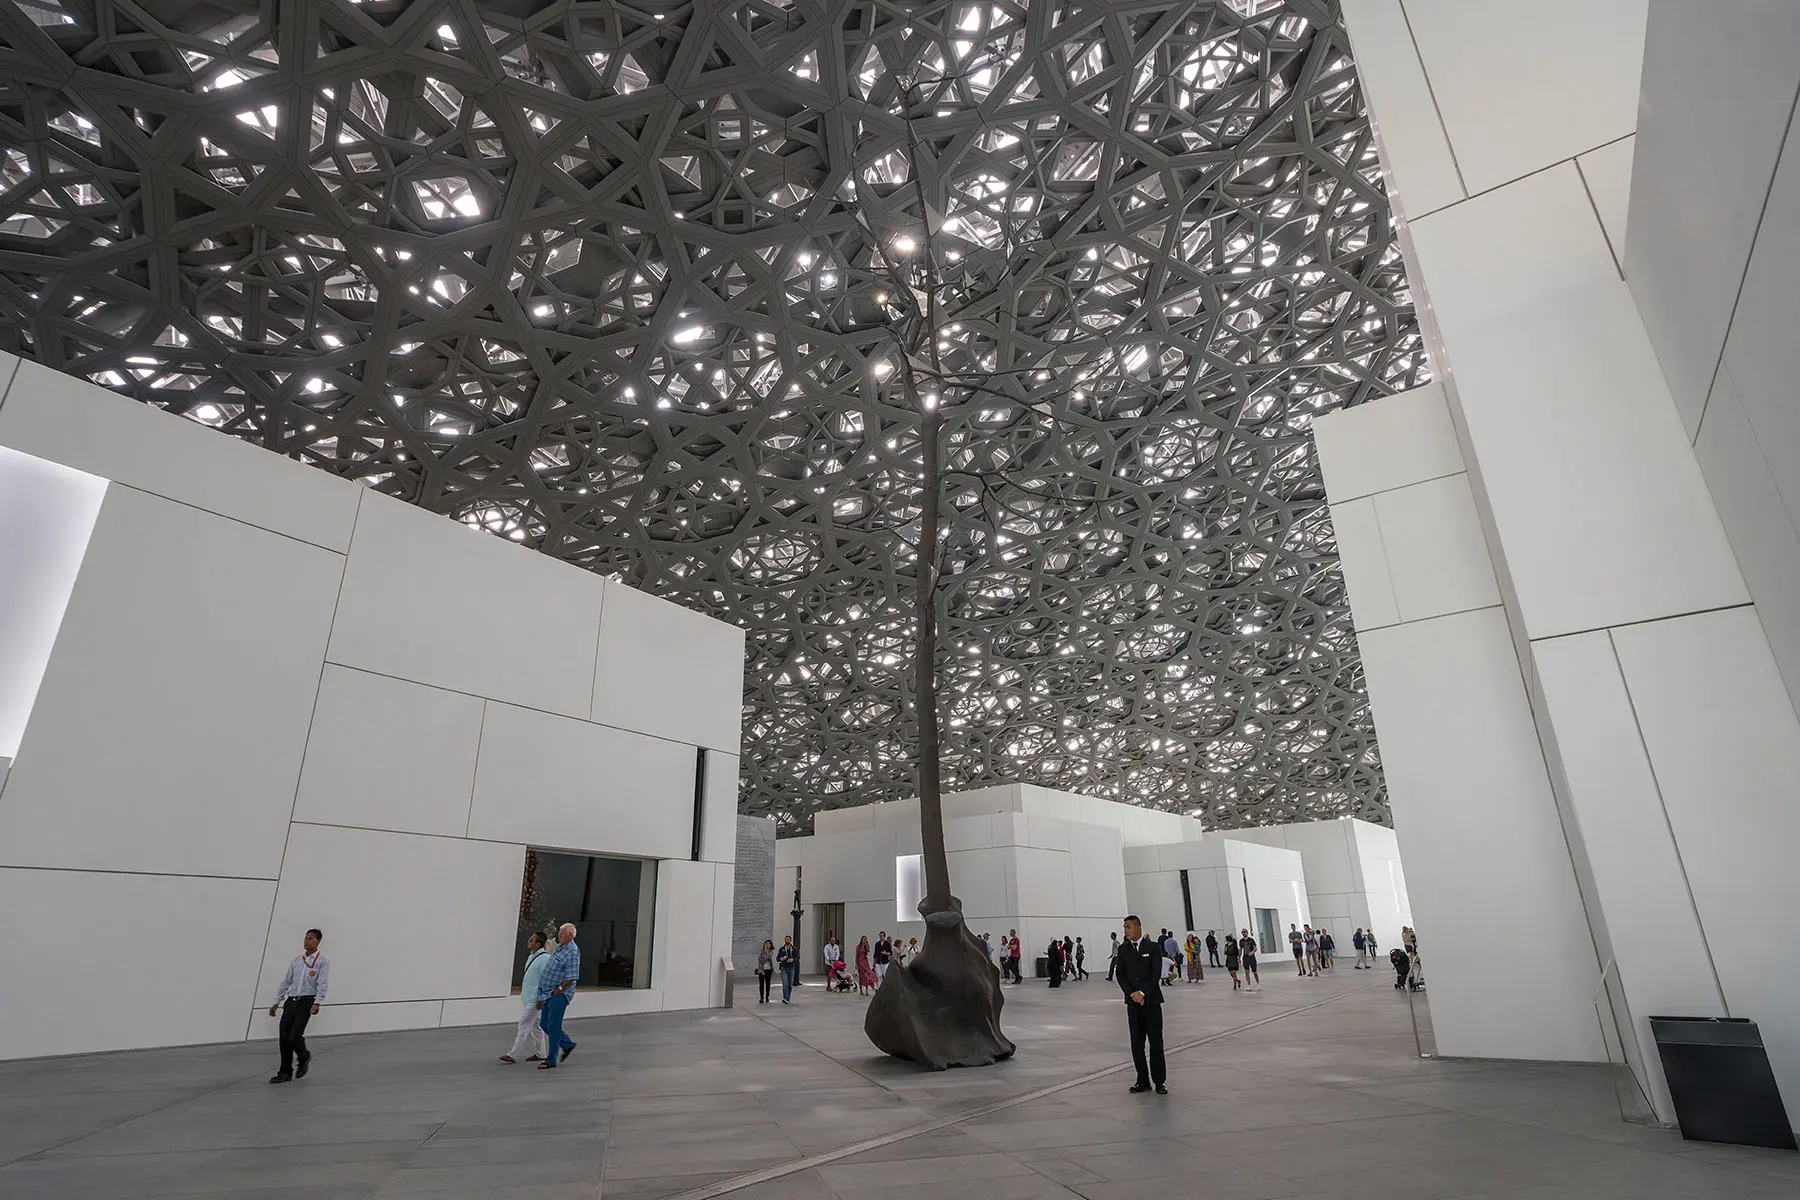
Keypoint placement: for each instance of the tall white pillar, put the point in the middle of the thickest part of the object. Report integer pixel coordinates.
(1667, 737)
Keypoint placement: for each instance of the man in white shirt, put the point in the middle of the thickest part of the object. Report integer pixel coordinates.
(834, 953)
(298, 998)
(530, 1035)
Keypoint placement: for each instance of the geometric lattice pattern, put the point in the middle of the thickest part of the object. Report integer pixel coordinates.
(613, 281)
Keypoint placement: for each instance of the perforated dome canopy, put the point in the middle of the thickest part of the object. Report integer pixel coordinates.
(618, 282)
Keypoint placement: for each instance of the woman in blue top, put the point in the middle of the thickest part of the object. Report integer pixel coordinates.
(530, 1035)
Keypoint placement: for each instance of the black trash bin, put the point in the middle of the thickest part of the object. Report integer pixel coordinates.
(1720, 1080)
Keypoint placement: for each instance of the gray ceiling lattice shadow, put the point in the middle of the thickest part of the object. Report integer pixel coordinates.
(609, 281)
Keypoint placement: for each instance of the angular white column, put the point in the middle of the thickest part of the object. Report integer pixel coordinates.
(1487, 861)
(1636, 641)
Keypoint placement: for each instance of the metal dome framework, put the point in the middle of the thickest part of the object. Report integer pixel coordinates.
(622, 283)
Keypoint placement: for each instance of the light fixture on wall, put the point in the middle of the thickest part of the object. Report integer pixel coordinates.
(909, 886)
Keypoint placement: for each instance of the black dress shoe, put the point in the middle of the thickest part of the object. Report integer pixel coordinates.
(1161, 1090)
(1139, 1088)
(300, 1067)
(282, 1077)
(570, 1050)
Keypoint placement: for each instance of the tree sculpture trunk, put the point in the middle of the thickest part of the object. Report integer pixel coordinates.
(942, 1009)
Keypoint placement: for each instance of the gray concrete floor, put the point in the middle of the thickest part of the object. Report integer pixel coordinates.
(1276, 1096)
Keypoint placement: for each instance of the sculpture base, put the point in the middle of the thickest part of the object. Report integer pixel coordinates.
(942, 1009)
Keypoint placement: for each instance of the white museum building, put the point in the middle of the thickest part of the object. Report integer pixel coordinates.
(1054, 864)
(240, 697)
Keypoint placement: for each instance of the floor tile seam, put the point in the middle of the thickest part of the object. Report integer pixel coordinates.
(767, 1175)
(188, 1099)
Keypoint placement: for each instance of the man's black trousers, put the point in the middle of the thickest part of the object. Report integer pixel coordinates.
(1146, 1025)
(294, 1016)
(1214, 955)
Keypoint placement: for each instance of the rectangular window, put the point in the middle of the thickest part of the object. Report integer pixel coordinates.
(610, 901)
(909, 886)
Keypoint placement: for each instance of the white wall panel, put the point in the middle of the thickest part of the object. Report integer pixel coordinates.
(718, 827)
(1437, 555)
(556, 782)
(1759, 524)
(1155, 898)
(405, 917)
(1421, 171)
(1607, 173)
(1481, 835)
(85, 426)
(1761, 354)
(387, 754)
(47, 513)
(979, 879)
(419, 584)
(1097, 869)
(1718, 86)
(1607, 521)
(1365, 563)
(1528, 83)
(191, 943)
(1653, 930)
(666, 670)
(721, 935)
(1725, 747)
(1388, 443)
(1046, 887)
(168, 730)
(681, 962)
(353, 1018)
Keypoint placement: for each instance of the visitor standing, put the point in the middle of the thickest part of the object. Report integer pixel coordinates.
(1247, 946)
(1327, 950)
(1231, 961)
(1140, 978)
(765, 970)
(1362, 948)
(1068, 957)
(1013, 955)
(1081, 971)
(556, 989)
(528, 1039)
(1372, 948)
(1053, 962)
(912, 952)
(1297, 943)
(787, 961)
(884, 953)
(987, 948)
(1112, 958)
(832, 953)
(297, 999)
(1312, 950)
(1192, 949)
(1212, 948)
(865, 968)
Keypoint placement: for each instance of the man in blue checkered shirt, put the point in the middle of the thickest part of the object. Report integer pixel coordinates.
(556, 987)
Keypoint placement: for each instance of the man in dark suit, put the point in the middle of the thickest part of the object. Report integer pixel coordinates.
(1140, 972)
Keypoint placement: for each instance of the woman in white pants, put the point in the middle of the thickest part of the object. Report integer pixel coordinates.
(530, 1039)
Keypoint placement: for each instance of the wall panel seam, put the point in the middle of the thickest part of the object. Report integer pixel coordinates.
(1430, 90)
(1749, 257)
(213, 512)
(305, 752)
(522, 707)
(1662, 805)
(1399, 487)
(1594, 205)
(1698, 612)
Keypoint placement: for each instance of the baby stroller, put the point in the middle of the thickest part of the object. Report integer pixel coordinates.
(839, 980)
